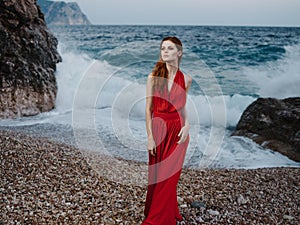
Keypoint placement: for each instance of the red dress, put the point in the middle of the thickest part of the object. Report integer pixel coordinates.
(161, 206)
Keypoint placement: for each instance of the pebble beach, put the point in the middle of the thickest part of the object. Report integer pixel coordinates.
(44, 182)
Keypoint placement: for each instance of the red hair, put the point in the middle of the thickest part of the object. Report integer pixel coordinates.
(160, 71)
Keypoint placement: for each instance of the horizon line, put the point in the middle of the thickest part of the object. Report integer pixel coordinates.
(199, 25)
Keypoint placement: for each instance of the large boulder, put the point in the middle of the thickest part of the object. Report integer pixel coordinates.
(28, 58)
(273, 123)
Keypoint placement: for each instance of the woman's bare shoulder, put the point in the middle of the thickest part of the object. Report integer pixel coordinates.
(188, 80)
(150, 75)
(150, 79)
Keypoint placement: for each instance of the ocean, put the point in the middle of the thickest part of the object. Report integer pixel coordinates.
(101, 89)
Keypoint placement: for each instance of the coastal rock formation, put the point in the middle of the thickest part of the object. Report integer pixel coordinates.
(62, 13)
(28, 58)
(273, 123)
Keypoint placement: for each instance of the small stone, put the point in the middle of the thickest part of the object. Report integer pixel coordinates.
(287, 217)
(213, 212)
(180, 200)
(183, 206)
(199, 219)
(241, 200)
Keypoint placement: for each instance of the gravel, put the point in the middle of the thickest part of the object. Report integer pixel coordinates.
(44, 182)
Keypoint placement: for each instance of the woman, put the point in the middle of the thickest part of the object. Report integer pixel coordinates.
(168, 133)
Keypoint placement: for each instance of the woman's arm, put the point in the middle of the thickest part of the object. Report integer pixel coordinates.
(151, 143)
(188, 82)
(184, 132)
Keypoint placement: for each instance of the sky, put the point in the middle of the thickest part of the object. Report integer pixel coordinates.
(193, 12)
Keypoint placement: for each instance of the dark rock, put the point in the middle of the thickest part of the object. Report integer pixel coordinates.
(62, 13)
(28, 58)
(198, 205)
(274, 124)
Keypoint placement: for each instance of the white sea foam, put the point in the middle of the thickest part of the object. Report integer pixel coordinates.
(281, 78)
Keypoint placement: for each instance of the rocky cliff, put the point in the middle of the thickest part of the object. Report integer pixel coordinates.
(273, 123)
(28, 58)
(62, 13)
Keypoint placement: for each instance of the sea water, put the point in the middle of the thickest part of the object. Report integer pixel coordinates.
(101, 89)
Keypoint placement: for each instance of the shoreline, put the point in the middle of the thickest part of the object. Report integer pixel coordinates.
(43, 182)
(64, 134)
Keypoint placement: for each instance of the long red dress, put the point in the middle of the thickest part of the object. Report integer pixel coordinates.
(161, 206)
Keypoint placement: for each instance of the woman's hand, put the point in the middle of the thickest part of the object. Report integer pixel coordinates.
(151, 146)
(183, 134)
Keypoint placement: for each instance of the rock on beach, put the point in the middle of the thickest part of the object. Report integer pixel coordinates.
(28, 58)
(274, 124)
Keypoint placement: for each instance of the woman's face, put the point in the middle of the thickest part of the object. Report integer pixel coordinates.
(169, 52)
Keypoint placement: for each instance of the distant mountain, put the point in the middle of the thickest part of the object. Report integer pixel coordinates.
(62, 13)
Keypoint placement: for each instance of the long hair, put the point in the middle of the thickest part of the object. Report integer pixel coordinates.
(160, 71)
